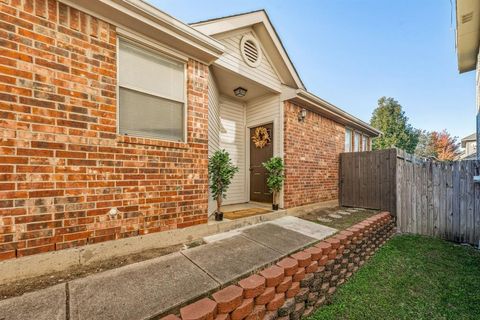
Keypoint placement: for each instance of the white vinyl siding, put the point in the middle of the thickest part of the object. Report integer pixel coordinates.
(213, 128)
(232, 59)
(232, 139)
(151, 94)
(267, 110)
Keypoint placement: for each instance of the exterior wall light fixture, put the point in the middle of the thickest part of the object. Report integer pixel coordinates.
(302, 115)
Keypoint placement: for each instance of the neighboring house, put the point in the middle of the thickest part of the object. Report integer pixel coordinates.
(468, 43)
(110, 110)
(469, 143)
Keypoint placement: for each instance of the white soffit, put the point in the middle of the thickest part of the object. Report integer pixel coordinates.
(260, 23)
(145, 19)
(468, 33)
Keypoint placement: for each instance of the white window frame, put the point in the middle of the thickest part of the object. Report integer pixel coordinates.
(351, 139)
(364, 142)
(356, 147)
(147, 45)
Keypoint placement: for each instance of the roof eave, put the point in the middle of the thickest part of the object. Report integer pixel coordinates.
(261, 23)
(145, 19)
(467, 35)
(318, 105)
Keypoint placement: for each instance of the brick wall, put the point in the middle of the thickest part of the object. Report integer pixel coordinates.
(312, 150)
(295, 286)
(62, 165)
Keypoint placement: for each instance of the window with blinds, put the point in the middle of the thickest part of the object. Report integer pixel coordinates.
(356, 142)
(364, 143)
(151, 94)
(348, 140)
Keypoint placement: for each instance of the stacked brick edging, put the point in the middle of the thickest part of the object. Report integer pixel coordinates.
(297, 285)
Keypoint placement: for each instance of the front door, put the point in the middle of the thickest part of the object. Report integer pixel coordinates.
(261, 149)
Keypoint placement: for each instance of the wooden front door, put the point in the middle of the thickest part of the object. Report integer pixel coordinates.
(258, 174)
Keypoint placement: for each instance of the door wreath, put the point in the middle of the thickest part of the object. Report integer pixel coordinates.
(261, 137)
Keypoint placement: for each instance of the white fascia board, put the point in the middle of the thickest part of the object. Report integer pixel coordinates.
(140, 17)
(264, 29)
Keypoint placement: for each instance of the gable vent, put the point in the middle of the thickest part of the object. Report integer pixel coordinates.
(251, 52)
(467, 17)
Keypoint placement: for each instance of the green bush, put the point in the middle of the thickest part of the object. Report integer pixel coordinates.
(221, 171)
(275, 177)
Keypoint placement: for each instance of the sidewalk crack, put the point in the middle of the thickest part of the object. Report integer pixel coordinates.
(204, 271)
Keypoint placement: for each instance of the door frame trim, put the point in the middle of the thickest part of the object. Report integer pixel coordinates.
(267, 120)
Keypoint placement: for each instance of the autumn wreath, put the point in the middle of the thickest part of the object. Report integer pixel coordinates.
(261, 137)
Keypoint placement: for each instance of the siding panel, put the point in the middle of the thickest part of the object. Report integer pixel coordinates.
(213, 128)
(232, 139)
(265, 110)
(232, 59)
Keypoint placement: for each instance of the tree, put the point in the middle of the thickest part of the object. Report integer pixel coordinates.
(221, 171)
(275, 177)
(425, 147)
(446, 146)
(389, 118)
(439, 145)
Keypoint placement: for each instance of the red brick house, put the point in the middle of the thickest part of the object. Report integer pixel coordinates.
(109, 110)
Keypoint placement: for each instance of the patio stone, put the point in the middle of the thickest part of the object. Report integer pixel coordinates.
(344, 213)
(46, 304)
(335, 216)
(324, 219)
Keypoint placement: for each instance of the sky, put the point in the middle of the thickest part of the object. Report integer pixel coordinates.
(352, 52)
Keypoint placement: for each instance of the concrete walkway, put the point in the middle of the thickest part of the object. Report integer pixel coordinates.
(151, 288)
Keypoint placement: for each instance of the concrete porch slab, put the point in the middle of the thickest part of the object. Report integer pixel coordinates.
(46, 304)
(232, 258)
(138, 291)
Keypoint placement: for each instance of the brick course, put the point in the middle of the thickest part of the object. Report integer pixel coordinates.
(312, 152)
(298, 299)
(62, 165)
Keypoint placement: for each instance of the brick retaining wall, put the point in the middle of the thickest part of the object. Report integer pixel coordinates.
(296, 285)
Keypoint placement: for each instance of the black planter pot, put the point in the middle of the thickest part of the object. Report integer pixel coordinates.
(218, 216)
(275, 207)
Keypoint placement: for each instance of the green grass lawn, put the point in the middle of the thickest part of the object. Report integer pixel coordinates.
(411, 277)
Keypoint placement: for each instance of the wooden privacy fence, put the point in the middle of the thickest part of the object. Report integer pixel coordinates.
(438, 198)
(427, 197)
(367, 180)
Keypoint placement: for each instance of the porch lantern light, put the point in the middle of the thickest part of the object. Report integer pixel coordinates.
(302, 115)
(240, 92)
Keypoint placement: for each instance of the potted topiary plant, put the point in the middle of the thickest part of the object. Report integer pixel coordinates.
(275, 178)
(221, 171)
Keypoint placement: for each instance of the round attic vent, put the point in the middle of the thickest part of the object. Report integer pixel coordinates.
(251, 52)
